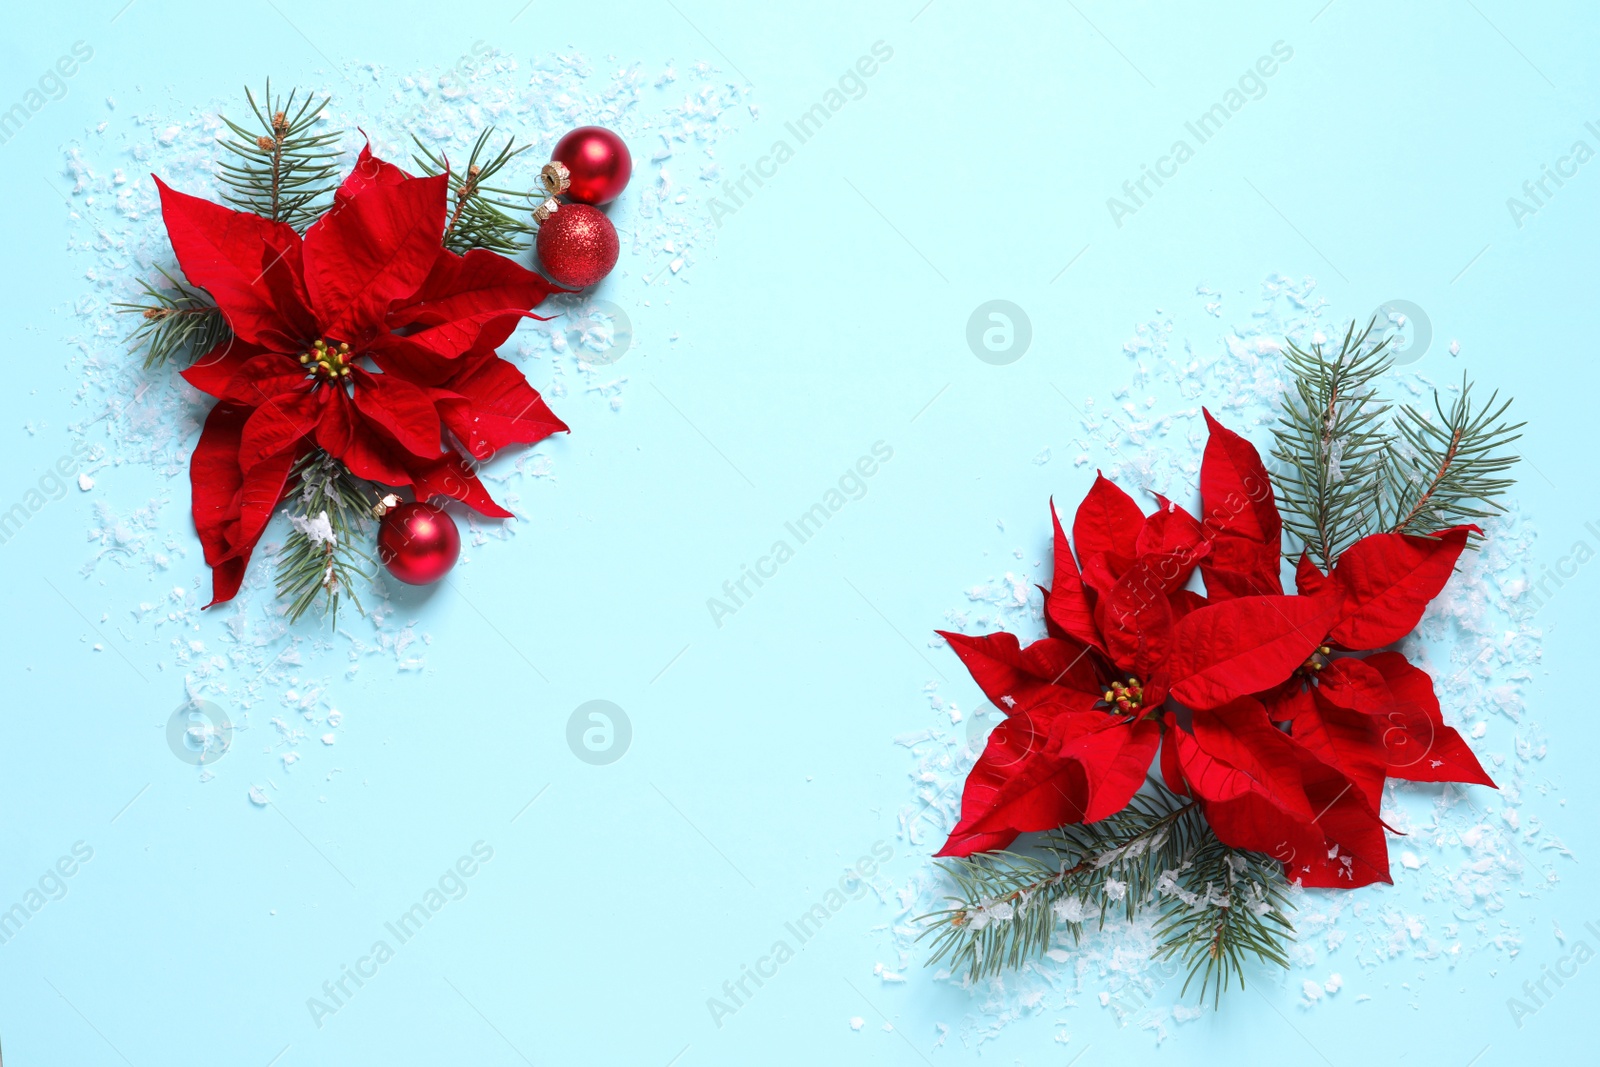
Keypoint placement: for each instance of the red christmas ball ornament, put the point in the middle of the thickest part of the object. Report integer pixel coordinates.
(577, 244)
(598, 164)
(418, 542)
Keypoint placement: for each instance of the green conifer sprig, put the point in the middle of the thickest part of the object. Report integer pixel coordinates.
(1330, 443)
(282, 169)
(177, 320)
(1449, 471)
(482, 215)
(323, 561)
(1219, 905)
(1350, 464)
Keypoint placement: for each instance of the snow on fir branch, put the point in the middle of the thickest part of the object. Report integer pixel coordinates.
(328, 508)
(1218, 905)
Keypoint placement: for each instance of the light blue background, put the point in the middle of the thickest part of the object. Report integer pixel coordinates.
(828, 313)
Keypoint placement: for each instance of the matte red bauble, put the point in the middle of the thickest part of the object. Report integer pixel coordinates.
(577, 245)
(597, 162)
(418, 543)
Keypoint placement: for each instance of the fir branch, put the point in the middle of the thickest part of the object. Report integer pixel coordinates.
(1331, 441)
(1008, 905)
(1450, 471)
(282, 170)
(177, 319)
(1223, 905)
(482, 215)
(328, 508)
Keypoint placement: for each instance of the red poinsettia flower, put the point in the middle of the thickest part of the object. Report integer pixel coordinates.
(1085, 706)
(1285, 747)
(1346, 723)
(366, 339)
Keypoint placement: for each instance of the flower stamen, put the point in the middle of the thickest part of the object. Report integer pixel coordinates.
(325, 361)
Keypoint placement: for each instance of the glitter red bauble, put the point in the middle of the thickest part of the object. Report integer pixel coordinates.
(597, 162)
(418, 543)
(577, 245)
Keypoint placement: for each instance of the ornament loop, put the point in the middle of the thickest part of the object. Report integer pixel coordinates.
(555, 177)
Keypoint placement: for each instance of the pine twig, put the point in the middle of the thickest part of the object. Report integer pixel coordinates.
(176, 319)
(282, 170)
(1157, 849)
(1330, 442)
(328, 508)
(482, 215)
(1449, 472)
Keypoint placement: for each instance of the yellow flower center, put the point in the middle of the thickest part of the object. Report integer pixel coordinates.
(1127, 697)
(327, 362)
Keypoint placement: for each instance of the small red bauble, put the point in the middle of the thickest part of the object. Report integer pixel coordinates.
(577, 245)
(597, 163)
(418, 542)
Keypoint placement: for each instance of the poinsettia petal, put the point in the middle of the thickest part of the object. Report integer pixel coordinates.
(264, 376)
(281, 273)
(1237, 566)
(1068, 605)
(215, 478)
(1388, 579)
(461, 287)
(1013, 677)
(1235, 492)
(220, 250)
(370, 172)
(402, 409)
(1227, 650)
(276, 427)
(1347, 740)
(1105, 531)
(212, 372)
(497, 407)
(374, 249)
(1400, 698)
(1169, 529)
(453, 477)
(1014, 787)
(1308, 577)
(1115, 756)
(1135, 618)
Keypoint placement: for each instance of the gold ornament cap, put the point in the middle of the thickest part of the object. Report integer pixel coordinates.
(555, 177)
(546, 209)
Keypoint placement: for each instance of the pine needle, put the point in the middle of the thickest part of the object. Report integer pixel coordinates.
(328, 509)
(283, 169)
(1218, 904)
(177, 320)
(482, 215)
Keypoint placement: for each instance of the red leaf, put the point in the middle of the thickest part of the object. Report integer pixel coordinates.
(1068, 604)
(276, 426)
(405, 411)
(460, 287)
(451, 476)
(1399, 697)
(1237, 566)
(1014, 677)
(1227, 650)
(1106, 531)
(496, 407)
(1048, 767)
(1309, 579)
(1349, 741)
(215, 478)
(370, 172)
(1263, 792)
(1136, 618)
(220, 250)
(1013, 788)
(371, 250)
(212, 372)
(1235, 492)
(1388, 580)
(263, 377)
